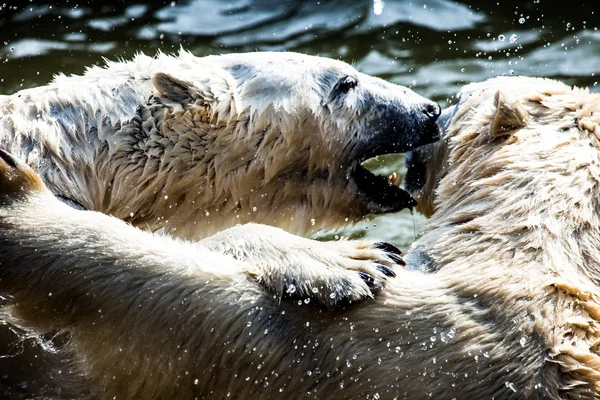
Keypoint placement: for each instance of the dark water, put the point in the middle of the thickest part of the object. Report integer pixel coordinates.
(432, 46)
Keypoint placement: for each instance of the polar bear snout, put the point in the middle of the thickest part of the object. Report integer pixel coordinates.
(421, 125)
(411, 122)
(402, 122)
(395, 119)
(432, 110)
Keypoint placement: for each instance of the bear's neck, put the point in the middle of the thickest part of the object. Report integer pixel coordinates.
(195, 179)
(553, 224)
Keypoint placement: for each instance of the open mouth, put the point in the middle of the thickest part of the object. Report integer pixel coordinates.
(379, 193)
(382, 194)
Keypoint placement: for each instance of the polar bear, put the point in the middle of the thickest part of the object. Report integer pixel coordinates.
(501, 298)
(196, 145)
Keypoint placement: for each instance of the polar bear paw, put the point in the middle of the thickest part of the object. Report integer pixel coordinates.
(331, 273)
(336, 273)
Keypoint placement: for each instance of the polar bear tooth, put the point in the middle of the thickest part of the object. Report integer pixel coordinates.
(394, 179)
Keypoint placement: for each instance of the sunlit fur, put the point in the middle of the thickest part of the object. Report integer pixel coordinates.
(505, 305)
(195, 145)
(515, 228)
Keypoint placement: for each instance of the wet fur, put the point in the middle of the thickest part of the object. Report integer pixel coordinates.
(193, 146)
(196, 145)
(510, 309)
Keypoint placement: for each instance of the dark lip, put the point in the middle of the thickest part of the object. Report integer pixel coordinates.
(378, 195)
(375, 191)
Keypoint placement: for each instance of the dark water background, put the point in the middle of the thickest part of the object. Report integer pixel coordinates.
(432, 46)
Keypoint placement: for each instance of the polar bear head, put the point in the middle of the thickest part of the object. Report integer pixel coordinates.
(508, 132)
(279, 138)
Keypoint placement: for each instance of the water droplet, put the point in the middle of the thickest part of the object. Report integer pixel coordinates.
(501, 38)
(196, 381)
(513, 38)
(378, 7)
(511, 386)
(521, 20)
(291, 289)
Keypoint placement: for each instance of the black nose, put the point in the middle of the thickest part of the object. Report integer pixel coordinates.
(432, 110)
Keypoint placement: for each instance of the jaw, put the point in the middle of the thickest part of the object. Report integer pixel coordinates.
(380, 194)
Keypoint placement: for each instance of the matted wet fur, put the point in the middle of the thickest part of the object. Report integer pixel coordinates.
(501, 300)
(196, 145)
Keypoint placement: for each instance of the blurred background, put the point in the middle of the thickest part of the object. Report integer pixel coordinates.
(432, 46)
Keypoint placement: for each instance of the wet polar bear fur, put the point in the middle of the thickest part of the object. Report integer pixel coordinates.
(501, 299)
(196, 145)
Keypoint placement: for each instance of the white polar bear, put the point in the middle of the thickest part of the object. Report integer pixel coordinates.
(501, 299)
(196, 145)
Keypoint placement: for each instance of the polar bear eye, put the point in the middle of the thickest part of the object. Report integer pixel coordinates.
(347, 83)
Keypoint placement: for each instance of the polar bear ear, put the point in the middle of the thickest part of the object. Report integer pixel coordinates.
(510, 115)
(172, 88)
(210, 93)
